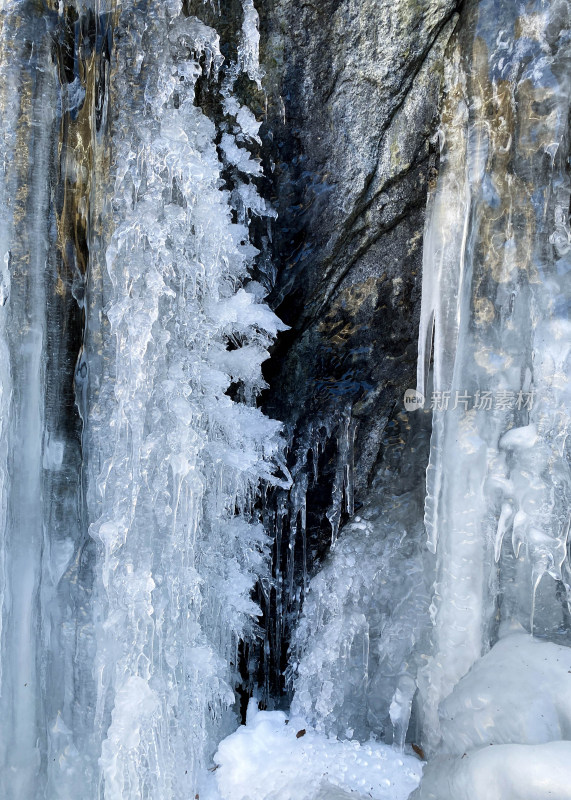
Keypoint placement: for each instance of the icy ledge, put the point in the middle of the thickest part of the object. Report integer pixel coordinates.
(273, 758)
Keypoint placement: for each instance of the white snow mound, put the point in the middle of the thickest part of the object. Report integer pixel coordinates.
(272, 758)
(505, 772)
(518, 693)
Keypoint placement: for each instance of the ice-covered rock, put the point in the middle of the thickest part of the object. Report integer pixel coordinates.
(496, 300)
(519, 692)
(175, 340)
(357, 646)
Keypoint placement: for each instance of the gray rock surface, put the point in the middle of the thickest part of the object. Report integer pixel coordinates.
(353, 98)
(351, 110)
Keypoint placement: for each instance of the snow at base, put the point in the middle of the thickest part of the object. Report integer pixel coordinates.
(506, 727)
(518, 693)
(507, 772)
(271, 759)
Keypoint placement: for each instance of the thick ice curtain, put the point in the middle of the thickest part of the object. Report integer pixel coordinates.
(496, 288)
(29, 458)
(132, 453)
(175, 464)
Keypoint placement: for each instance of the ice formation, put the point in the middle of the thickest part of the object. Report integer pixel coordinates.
(143, 493)
(494, 364)
(146, 612)
(172, 496)
(498, 481)
(365, 616)
(28, 96)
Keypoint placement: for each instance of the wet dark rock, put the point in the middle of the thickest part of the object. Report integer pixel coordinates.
(349, 141)
(353, 98)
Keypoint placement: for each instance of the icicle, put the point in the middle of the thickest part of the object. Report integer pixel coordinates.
(343, 481)
(29, 101)
(400, 709)
(249, 47)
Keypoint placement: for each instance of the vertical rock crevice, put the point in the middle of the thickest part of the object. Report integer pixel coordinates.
(349, 141)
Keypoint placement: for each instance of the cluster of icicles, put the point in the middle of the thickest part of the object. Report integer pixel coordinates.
(173, 465)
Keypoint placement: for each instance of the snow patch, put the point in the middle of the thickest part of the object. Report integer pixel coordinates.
(276, 758)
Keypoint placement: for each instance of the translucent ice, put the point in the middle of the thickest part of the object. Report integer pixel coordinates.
(495, 316)
(356, 650)
(172, 493)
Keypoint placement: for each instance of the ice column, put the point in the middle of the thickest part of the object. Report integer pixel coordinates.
(496, 294)
(28, 99)
(176, 464)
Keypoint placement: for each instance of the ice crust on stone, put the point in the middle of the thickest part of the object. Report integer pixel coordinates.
(142, 618)
(494, 320)
(354, 646)
(357, 648)
(287, 524)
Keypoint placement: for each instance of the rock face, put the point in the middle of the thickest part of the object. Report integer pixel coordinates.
(353, 92)
(350, 104)
(352, 110)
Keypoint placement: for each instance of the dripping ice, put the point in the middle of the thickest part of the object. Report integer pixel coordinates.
(176, 467)
(126, 602)
(173, 501)
(496, 524)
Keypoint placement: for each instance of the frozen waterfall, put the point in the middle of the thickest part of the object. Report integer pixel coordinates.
(127, 575)
(173, 560)
(496, 265)
(494, 365)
